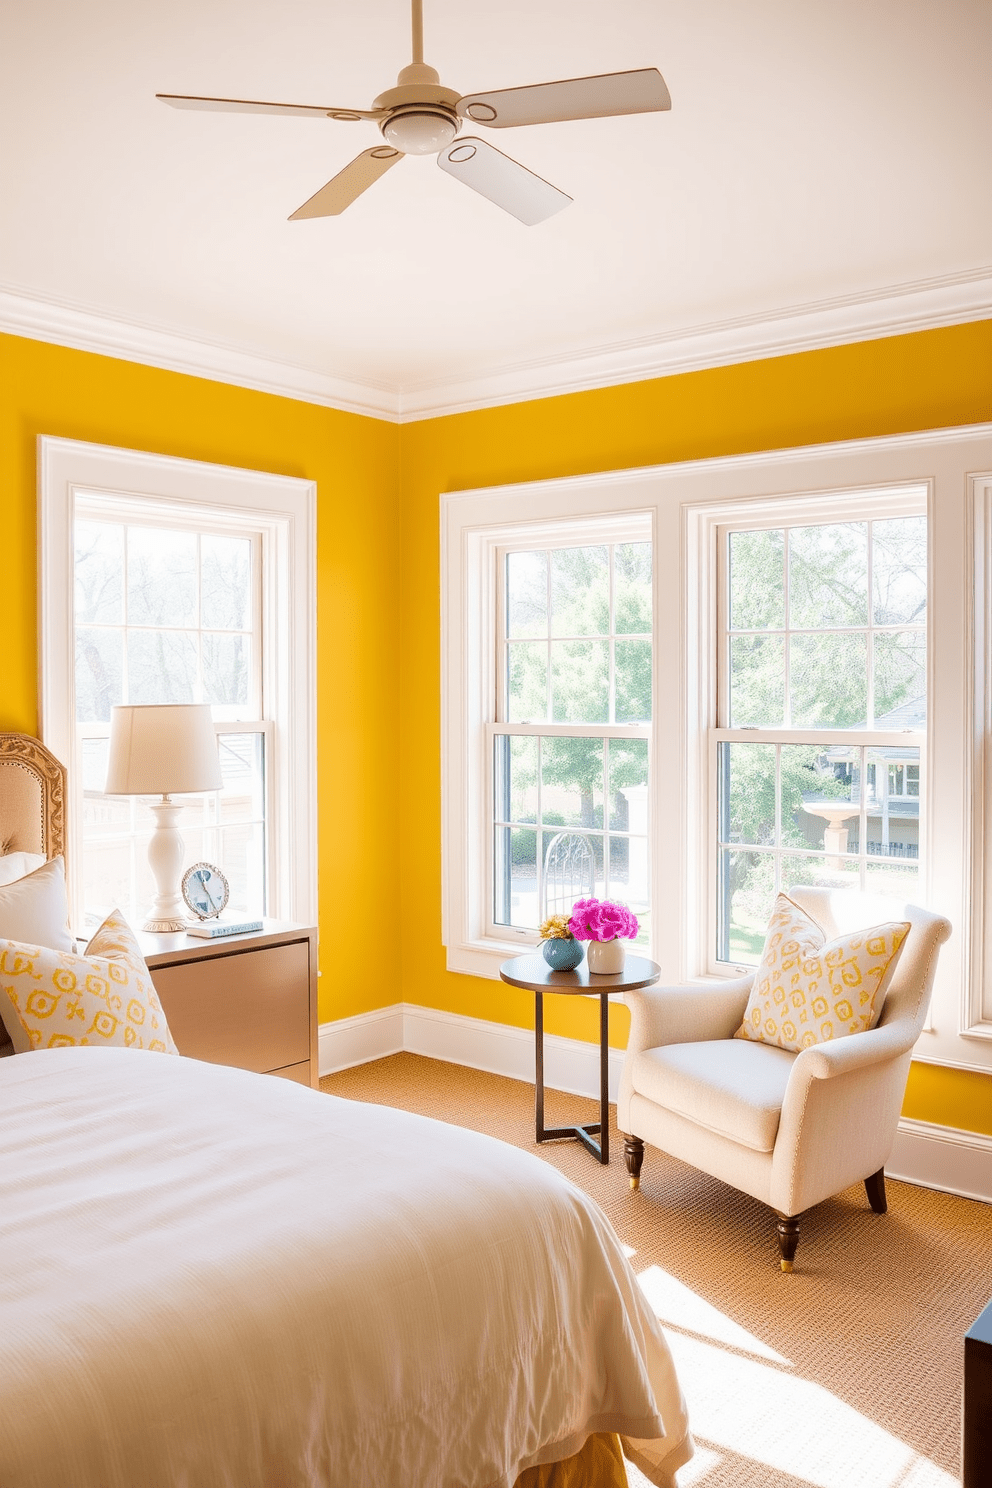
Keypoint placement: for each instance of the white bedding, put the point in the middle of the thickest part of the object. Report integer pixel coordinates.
(212, 1278)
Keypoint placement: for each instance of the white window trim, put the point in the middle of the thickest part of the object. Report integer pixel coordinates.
(475, 527)
(956, 466)
(707, 524)
(283, 509)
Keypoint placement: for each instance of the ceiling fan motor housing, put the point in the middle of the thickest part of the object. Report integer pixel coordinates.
(422, 118)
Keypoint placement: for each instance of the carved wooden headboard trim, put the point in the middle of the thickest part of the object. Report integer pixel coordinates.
(32, 801)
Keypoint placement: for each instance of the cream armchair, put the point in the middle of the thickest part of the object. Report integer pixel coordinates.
(789, 1129)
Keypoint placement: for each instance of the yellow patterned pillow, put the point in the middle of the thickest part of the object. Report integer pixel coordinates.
(104, 998)
(807, 990)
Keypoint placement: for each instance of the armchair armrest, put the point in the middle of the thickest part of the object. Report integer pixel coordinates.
(686, 1014)
(858, 1050)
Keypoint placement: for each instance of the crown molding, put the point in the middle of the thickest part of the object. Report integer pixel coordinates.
(63, 324)
(895, 311)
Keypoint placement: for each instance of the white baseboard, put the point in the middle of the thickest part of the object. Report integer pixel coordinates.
(941, 1157)
(351, 1041)
(569, 1064)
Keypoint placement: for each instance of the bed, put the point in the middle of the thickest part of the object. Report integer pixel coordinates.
(210, 1277)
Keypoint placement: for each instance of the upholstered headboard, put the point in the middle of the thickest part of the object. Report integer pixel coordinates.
(32, 807)
(32, 797)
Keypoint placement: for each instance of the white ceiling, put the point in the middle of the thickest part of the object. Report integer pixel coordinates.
(822, 158)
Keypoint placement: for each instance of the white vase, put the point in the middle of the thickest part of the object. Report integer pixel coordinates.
(606, 957)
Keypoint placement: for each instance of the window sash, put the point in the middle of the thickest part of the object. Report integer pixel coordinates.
(497, 929)
(226, 500)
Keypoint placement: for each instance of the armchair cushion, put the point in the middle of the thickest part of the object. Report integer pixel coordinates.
(808, 991)
(735, 1089)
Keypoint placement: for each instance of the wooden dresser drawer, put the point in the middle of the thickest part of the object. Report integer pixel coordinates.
(250, 1008)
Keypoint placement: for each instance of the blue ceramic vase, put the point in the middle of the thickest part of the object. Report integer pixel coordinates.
(562, 955)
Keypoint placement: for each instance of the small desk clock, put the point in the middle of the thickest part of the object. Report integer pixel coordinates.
(205, 890)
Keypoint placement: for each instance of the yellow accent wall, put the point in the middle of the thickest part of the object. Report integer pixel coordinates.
(378, 704)
(76, 395)
(932, 379)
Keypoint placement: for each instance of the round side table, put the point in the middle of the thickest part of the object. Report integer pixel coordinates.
(535, 975)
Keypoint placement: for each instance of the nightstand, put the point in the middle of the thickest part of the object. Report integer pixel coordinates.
(247, 1000)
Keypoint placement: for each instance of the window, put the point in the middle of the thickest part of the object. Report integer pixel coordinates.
(549, 617)
(571, 730)
(821, 712)
(171, 581)
(168, 614)
(821, 637)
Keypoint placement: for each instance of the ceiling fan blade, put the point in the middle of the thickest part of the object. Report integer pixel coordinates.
(363, 172)
(602, 97)
(511, 186)
(250, 106)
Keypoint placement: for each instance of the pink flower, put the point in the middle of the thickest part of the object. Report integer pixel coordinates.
(594, 919)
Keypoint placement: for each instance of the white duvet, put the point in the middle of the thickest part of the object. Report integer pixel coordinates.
(213, 1278)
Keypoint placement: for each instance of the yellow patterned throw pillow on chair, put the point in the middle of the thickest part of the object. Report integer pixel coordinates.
(807, 990)
(104, 998)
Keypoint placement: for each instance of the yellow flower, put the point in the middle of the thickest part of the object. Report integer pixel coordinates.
(555, 927)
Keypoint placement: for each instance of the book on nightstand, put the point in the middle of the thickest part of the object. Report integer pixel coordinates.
(215, 929)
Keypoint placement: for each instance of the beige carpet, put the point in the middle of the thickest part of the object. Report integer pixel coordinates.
(846, 1374)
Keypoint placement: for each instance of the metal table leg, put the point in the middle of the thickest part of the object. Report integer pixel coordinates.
(587, 1132)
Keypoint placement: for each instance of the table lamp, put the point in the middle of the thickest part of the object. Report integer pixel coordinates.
(157, 749)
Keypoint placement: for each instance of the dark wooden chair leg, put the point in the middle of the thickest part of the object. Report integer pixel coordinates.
(633, 1152)
(875, 1189)
(788, 1239)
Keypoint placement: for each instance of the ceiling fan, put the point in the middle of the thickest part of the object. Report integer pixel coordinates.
(421, 117)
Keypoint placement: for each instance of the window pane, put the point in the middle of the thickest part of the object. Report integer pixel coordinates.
(527, 682)
(892, 805)
(628, 785)
(107, 873)
(747, 893)
(629, 878)
(828, 575)
(580, 591)
(632, 671)
(824, 873)
(99, 673)
(580, 682)
(242, 861)
(572, 868)
(632, 588)
(226, 668)
(897, 880)
(757, 681)
(899, 571)
(515, 896)
(901, 680)
(515, 767)
(161, 577)
(526, 594)
(828, 677)
(242, 764)
(161, 666)
(821, 797)
(757, 580)
(225, 582)
(747, 793)
(572, 782)
(99, 570)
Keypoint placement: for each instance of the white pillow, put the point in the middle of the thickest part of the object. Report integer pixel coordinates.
(35, 909)
(17, 865)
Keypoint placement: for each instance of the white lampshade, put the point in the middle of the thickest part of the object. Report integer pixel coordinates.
(162, 749)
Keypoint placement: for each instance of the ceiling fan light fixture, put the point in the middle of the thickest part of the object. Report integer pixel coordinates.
(419, 131)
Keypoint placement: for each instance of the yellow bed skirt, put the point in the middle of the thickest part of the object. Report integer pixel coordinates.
(598, 1465)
